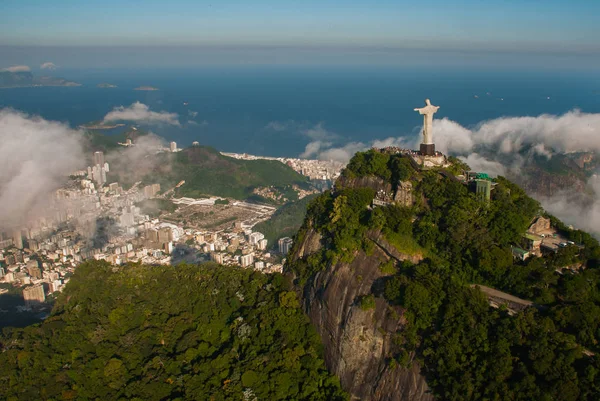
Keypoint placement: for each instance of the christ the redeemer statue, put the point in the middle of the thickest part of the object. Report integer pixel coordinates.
(427, 147)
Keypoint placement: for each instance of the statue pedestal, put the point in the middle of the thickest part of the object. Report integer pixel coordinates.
(427, 149)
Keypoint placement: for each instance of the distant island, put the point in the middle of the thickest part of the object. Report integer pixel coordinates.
(105, 85)
(145, 88)
(25, 79)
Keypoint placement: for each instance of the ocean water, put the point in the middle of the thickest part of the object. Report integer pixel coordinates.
(268, 110)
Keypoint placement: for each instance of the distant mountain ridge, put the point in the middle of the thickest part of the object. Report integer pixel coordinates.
(544, 175)
(23, 79)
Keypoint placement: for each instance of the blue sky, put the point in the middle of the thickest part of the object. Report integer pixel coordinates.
(516, 26)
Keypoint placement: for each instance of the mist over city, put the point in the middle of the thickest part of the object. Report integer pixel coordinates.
(390, 201)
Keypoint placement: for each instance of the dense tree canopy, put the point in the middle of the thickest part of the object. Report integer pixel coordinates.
(168, 333)
(206, 171)
(286, 221)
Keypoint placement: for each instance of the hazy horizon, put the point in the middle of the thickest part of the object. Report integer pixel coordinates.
(107, 34)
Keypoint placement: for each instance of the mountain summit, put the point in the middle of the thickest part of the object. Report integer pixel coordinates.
(442, 283)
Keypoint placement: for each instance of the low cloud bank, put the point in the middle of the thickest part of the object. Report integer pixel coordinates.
(503, 146)
(322, 145)
(580, 210)
(141, 113)
(546, 134)
(135, 162)
(36, 156)
(17, 68)
(48, 66)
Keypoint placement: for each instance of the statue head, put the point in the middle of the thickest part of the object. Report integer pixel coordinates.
(427, 102)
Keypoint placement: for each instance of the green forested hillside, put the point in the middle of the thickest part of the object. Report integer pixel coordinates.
(168, 333)
(208, 172)
(467, 350)
(204, 169)
(286, 221)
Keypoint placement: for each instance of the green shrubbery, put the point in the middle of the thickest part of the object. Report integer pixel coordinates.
(367, 302)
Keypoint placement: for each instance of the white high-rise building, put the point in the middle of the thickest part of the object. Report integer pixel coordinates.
(173, 146)
(99, 159)
(262, 244)
(255, 237)
(246, 260)
(217, 257)
(18, 239)
(285, 244)
(34, 295)
(54, 286)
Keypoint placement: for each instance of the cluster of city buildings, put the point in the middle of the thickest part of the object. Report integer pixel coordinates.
(25, 269)
(541, 239)
(240, 246)
(91, 219)
(324, 170)
(96, 173)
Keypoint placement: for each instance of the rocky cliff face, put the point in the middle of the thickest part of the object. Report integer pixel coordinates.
(358, 343)
(376, 183)
(539, 182)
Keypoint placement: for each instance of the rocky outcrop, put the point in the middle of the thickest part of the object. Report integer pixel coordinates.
(404, 194)
(377, 184)
(377, 238)
(539, 182)
(310, 244)
(359, 343)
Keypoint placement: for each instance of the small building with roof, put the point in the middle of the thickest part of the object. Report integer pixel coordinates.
(520, 253)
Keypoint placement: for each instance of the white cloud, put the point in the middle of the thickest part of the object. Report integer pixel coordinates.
(450, 136)
(480, 163)
(571, 132)
(580, 210)
(342, 154)
(35, 159)
(287, 125)
(319, 133)
(137, 161)
(277, 126)
(543, 135)
(17, 68)
(48, 66)
(312, 149)
(503, 146)
(323, 149)
(141, 113)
